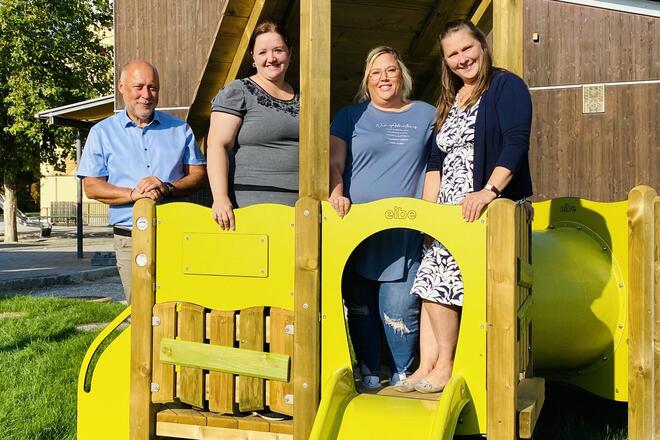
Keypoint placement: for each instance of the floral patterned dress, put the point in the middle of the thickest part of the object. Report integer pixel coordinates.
(439, 277)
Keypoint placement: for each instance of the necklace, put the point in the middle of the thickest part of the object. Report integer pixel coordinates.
(462, 96)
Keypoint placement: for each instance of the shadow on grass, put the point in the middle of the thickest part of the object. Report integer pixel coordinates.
(54, 338)
(570, 413)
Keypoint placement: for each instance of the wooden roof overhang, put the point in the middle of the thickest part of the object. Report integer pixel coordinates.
(356, 27)
(81, 115)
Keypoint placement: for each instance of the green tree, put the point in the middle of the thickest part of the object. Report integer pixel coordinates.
(50, 55)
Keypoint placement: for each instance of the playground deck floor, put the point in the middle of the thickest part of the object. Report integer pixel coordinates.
(36, 262)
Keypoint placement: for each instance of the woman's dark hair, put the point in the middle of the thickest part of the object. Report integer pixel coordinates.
(268, 26)
(450, 82)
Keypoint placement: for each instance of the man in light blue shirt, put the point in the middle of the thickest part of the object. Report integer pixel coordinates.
(138, 153)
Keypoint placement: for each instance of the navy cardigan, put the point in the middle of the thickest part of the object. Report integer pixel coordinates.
(501, 135)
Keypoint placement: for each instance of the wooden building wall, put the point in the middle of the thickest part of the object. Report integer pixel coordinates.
(599, 156)
(175, 35)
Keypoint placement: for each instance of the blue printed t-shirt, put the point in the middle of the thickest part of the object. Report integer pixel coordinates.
(386, 157)
(117, 148)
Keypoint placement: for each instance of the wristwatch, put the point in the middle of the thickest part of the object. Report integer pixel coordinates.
(493, 188)
(170, 188)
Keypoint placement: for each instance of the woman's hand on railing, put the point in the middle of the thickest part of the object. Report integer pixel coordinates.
(475, 202)
(340, 204)
(223, 213)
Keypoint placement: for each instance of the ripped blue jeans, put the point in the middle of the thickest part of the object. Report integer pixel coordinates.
(383, 307)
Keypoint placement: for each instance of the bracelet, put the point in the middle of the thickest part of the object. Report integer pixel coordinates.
(130, 195)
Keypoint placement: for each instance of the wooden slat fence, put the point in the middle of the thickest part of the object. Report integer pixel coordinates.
(261, 329)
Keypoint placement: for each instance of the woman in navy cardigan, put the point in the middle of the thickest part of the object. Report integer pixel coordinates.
(483, 121)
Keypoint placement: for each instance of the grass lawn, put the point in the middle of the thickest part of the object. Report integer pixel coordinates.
(40, 356)
(41, 353)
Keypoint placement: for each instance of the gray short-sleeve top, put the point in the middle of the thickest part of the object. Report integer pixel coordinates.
(266, 150)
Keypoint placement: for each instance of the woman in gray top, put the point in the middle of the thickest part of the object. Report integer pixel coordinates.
(252, 145)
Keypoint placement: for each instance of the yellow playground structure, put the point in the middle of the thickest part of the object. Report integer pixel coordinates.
(225, 323)
(217, 320)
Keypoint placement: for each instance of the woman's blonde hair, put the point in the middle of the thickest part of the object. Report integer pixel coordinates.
(450, 82)
(363, 92)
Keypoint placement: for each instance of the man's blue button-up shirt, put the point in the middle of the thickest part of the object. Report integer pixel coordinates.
(117, 148)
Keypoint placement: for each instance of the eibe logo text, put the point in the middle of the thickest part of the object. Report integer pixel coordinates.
(398, 213)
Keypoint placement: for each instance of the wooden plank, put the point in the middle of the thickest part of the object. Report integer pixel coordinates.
(251, 390)
(222, 331)
(508, 35)
(281, 341)
(307, 359)
(480, 14)
(249, 363)
(191, 328)
(501, 311)
(641, 326)
(314, 98)
(181, 415)
(141, 411)
(656, 298)
(177, 430)
(242, 48)
(282, 426)
(315, 38)
(253, 423)
(153, 31)
(163, 374)
(531, 395)
(221, 421)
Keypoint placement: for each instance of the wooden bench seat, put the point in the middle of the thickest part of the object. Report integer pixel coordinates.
(189, 423)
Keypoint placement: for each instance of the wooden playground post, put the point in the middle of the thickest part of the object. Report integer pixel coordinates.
(142, 417)
(501, 312)
(314, 182)
(656, 306)
(641, 310)
(508, 35)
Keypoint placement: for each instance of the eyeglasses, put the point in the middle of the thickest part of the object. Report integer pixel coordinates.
(390, 72)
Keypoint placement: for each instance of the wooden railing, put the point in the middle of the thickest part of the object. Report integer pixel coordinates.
(514, 398)
(643, 313)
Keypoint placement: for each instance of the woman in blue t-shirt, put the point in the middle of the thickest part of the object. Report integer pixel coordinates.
(379, 149)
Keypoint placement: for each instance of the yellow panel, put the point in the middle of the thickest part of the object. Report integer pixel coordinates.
(103, 411)
(466, 241)
(243, 255)
(276, 222)
(580, 262)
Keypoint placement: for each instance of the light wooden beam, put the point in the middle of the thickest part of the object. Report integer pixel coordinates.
(226, 359)
(242, 49)
(314, 98)
(501, 313)
(641, 307)
(142, 416)
(315, 22)
(483, 16)
(508, 35)
(656, 307)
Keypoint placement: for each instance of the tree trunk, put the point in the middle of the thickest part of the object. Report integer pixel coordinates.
(11, 233)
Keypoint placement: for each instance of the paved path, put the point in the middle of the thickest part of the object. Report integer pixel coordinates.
(35, 265)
